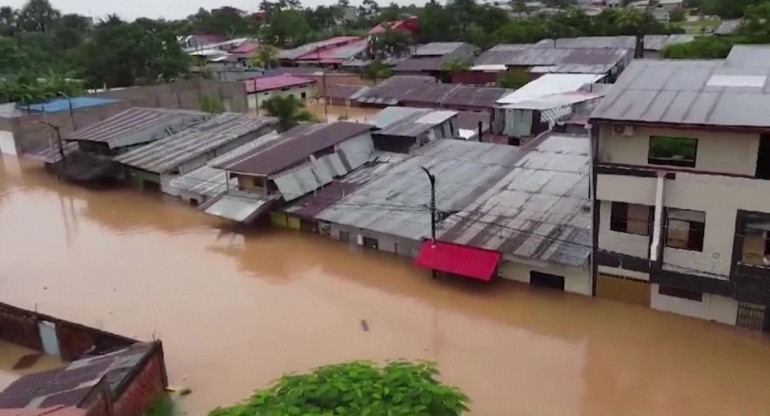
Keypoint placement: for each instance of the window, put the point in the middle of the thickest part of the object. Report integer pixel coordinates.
(672, 151)
(685, 229)
(630, 218)
(303, 95)
(344, 236)
(680, 293)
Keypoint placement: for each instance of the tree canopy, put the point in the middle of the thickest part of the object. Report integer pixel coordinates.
(356, 389)
(289, 111)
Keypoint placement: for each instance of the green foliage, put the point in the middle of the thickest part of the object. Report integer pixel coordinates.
(513, 79)
(376, 71)
(289, 111)
(703, 47)
(286, 29)
(455, 65)
(356, 389)
(226, 23)
(678, 14)
(28, 88)
(389, 43)
(211, 105)
(266, 58)
(163, 406)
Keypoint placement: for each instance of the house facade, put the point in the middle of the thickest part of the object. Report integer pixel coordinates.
(682, 199)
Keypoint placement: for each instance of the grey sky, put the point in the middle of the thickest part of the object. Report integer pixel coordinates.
(169, 9)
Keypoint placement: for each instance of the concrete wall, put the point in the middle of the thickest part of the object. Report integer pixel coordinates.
(711, 307)
(7, 143)
(722, 152)
(31, 136)
(576, 279)
(719, 197)
(308, 90)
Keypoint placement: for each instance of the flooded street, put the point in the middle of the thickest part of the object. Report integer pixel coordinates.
(351, 113)
(236, 309)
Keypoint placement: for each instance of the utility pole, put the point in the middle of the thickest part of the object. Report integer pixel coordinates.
(58, 138)
(432, 180)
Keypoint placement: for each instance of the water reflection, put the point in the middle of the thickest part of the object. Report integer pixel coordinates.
(236, 308)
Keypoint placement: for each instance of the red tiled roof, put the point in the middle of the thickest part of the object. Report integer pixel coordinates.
(457, 259)
(274, 83)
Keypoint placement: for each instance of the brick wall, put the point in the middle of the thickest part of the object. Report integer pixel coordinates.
(147, 385)
(20, 326)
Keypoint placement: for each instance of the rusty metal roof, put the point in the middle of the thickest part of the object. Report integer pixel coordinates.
(392, 90)
(295, 146)
(561, 60)
(169, 153)
(529, 203)
(708, 93)
(137, 125)
(70, 385)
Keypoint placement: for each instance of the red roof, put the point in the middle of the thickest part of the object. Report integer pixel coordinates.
(406, 25)
(276, 82)
(466, 261)
(246, 48)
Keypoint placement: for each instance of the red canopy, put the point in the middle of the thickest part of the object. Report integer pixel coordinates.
(466, 261)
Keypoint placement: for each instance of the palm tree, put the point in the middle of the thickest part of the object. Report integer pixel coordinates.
(633, 22)
(266, 58)
(289, 111)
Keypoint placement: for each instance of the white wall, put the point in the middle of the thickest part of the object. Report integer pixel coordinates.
(624, 243)
(723, 152)
(309, 90)
(7, 143)
(576, 279)
(718, 196)
(712, 307)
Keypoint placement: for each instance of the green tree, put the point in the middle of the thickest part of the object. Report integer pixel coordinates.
(356, 388)
(513, 79)
(8, 23)
(678, 14)
(376, 71)
(211, 105)
(455, 65)
(703, 47)
(37, 16)
(289, 111)
(266, 58)
(389, 43)
(286, 29)
(12, 59)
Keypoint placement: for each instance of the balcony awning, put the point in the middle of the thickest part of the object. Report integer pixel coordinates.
(465, 261)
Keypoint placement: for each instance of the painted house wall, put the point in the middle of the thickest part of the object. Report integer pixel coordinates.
(619, 242)
(576, 279)
(711, 307)
(308, 90)
(720, 152)
(719, 197)
(7, 143)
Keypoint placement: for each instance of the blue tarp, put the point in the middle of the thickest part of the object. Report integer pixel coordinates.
(63, 104)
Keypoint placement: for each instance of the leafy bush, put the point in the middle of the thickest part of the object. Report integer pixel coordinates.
(704, 47)
(358, 388)
(513, 80)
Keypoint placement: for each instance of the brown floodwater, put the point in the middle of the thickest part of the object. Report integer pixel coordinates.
(237, 308)
(334, 112)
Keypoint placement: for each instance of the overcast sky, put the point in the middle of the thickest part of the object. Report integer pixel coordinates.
(169, 9)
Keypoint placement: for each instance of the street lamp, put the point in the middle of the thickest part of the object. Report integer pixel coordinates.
(58, 138)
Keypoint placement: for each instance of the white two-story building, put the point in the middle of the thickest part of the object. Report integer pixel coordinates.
(681, 187)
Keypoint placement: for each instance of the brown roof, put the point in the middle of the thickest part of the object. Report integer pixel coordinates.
(48, 411)
(302, 141)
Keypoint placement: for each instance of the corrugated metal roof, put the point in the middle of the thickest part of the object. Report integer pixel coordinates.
(209, 180)
(342, 91)
(408, 121)
(554, 101)
(239, 206)
(478, 97)
(418, 90)
(749, 56)
(549, 84)
(563, 60)
(167, 154)
(727, 27)
(524, 202)
(337, 53)
(424, 64)
(678, 92)
(299, 143)
(275, 82)
(70, 385)
(651, 42)
(438, 48)
(312, 47)
(138, 125)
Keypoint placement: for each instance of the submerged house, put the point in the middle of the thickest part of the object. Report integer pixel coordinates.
(154, 165)
(538, 105)
(299, 162)
(404, 129)
(94, 146)
(517, 213)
